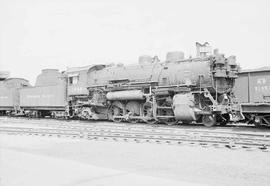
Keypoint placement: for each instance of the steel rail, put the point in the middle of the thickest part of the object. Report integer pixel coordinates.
(230, 142)
(92, 122)
(150, 129)
(248, 136)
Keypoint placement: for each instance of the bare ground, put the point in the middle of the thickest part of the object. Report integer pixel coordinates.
(210, 166)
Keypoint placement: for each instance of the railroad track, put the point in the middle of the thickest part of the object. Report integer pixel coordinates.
(77, 125)
(81, 123)
(201, 138)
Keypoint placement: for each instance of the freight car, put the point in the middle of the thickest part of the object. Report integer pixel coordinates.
(252, 90)
(9, 94)
(178, 89)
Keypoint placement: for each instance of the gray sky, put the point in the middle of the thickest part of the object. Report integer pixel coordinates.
(37, 34)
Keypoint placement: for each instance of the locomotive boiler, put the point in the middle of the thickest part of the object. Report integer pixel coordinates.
(171, 91)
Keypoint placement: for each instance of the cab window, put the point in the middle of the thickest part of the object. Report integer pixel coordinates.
(73, 80)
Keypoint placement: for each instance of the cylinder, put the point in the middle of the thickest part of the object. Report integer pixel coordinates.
(126, 95)
(183, 107)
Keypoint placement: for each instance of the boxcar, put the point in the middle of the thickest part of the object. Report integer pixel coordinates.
(252, 91)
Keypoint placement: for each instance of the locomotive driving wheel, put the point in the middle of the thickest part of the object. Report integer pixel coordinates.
(148, 116)
(209, 120)
(116, 110)
(133, 110)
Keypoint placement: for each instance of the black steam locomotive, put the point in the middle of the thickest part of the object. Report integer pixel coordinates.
(193, 90)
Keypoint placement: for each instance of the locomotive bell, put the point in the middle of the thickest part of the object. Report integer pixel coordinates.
(175, 56)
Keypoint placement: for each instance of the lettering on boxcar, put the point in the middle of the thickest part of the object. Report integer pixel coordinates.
(261, 81)
(262, 88)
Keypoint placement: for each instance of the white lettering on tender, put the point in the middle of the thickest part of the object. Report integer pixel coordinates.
(40, 96)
